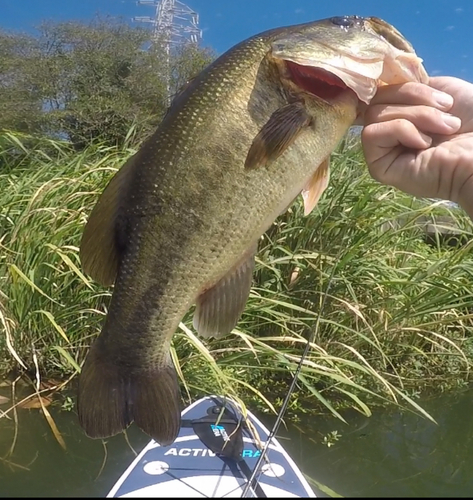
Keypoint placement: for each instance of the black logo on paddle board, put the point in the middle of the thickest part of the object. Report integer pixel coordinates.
(221, 432)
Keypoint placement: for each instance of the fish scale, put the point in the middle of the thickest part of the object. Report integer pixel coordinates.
(179, 223)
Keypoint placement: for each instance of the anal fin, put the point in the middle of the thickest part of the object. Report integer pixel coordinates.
(220, 307)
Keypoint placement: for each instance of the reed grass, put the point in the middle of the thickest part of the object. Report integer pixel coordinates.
(397, 320)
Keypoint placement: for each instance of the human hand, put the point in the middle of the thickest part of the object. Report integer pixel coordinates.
(419, 140)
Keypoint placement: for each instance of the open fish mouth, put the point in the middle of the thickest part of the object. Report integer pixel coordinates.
(360, 54)
(316, 81)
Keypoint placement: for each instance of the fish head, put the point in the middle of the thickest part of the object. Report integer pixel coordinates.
(346, 52)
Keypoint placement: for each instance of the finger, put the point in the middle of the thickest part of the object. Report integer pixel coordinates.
(425, 118)
(443, 82)
(395, 170)
(380, 139)
(412, 93)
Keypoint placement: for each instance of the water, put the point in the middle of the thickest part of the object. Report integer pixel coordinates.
(393, 453)
(388, 454)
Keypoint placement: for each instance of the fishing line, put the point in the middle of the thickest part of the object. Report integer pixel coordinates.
(285, 404)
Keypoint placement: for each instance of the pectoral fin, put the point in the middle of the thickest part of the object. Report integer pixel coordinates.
(316, 186)
(219, 308)
(278, 133)
(102, 242)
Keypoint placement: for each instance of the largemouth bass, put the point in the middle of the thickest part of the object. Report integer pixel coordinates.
(180, 222)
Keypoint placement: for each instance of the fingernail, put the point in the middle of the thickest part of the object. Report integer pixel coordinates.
(451, 121)
(442, 99)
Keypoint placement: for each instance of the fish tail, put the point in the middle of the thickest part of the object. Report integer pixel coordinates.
(111, 397)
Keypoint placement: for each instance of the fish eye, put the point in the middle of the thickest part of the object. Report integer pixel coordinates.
(343, 22)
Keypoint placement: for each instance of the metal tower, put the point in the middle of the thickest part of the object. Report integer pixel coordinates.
(173, 23)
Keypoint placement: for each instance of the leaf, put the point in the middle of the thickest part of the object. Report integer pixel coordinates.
(14, 139)
(8, 340)
(53, 426)
(36, 402)
(322, 487)
(67, 357)
(25, 278)
(53, 322)
(67, 260)
(319, 396)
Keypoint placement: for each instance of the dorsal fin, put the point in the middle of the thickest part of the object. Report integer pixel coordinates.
(99, 248)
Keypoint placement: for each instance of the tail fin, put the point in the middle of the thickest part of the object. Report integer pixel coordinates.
(110, 398)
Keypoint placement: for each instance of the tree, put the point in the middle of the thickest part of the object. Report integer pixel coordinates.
(20, 98)
(91, 81)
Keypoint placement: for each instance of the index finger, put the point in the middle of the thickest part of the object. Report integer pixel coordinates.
(412, 93)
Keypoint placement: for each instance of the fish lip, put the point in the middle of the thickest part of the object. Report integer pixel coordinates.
(390, 34)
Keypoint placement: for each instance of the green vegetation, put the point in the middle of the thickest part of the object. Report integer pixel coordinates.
(397, 319)
(89, 82)
(397, 311)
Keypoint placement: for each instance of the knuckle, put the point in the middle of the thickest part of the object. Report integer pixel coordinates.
(402, 126)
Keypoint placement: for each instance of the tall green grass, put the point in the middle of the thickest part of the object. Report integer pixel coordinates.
(397, 320)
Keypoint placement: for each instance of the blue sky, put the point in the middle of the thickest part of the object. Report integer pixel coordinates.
(440, 30)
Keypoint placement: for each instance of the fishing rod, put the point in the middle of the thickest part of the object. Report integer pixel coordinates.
(257, 470)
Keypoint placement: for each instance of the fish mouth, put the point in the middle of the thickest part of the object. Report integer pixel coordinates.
(316, 81)
(390, 34)
(360, 54)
